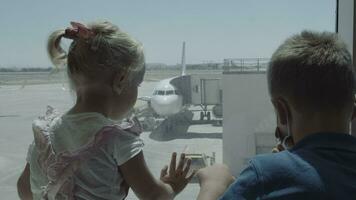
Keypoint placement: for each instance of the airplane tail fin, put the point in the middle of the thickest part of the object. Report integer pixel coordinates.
(183, 60)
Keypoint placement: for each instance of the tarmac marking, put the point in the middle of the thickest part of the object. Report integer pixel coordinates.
(9, 115)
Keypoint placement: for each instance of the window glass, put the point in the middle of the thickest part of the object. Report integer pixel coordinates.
(222, 39)
(169, 92)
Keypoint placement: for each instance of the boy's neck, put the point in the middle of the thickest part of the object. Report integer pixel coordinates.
(305, 127)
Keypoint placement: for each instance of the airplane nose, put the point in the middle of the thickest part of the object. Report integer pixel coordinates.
(164, 102)
(164, 106)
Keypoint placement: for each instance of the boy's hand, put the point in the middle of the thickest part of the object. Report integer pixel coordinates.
(177, 177)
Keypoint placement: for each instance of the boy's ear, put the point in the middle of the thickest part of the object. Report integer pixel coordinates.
(119, 82)
(281, 109)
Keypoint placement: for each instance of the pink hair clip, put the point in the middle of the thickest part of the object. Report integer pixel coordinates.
(78, 30)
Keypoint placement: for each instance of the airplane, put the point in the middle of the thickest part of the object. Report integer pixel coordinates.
(167, 100)
(170, 101)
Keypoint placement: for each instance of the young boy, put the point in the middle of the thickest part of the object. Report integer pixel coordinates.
(311, 83)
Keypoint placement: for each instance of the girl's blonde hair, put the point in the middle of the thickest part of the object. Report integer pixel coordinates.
(108, 49)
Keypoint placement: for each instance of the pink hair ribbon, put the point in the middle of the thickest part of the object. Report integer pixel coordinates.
(78, 31)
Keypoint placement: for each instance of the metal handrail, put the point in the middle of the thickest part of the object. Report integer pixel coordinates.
(245, 64)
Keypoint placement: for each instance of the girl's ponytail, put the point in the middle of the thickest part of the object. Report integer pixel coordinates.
(94, 48)
(55, 52)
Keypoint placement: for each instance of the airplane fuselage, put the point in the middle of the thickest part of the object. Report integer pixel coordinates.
(166, 99)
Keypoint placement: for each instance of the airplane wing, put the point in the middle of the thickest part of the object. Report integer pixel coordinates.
(152, 79)
(145, 98)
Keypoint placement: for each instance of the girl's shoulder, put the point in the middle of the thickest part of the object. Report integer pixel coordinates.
(119, 133)
(131, 126)
(123, 140)
(44, 121)
(42, 125)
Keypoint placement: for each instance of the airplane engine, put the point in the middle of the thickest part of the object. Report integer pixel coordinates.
(218, 111)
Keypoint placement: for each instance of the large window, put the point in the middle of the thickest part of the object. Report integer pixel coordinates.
(215, 34)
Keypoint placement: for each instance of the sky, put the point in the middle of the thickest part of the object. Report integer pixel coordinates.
(213, 30)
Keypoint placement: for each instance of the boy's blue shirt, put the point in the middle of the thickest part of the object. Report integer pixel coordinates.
(320, 166)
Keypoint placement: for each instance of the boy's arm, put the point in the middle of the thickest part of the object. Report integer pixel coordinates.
(222, 186)
(23, 184)
(214, 181)
(210, 191)
(145, 186)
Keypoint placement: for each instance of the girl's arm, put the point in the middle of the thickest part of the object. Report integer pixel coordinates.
(145, 186)
(23, 184)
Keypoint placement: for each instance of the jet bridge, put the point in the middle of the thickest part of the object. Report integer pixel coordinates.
(203, 90)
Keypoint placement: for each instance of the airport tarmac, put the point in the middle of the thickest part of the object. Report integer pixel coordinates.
(20, 105)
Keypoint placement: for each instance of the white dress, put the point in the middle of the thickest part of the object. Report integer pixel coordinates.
(76, 156)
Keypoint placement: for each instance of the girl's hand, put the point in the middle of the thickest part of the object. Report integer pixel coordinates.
(177, 177)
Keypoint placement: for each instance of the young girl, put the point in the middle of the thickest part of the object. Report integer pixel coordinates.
(84, 154)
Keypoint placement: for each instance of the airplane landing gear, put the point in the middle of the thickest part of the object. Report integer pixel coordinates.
(204, 114)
